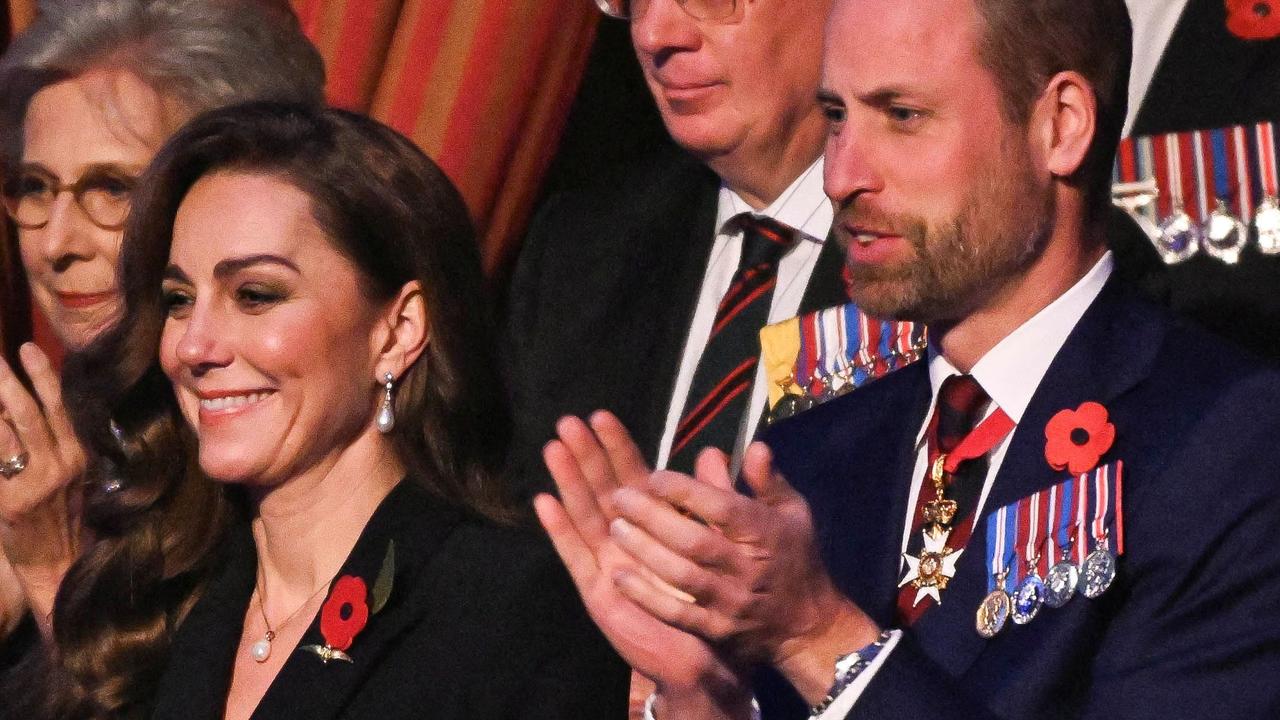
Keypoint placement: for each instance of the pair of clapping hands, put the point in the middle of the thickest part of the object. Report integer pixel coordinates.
(691, 581)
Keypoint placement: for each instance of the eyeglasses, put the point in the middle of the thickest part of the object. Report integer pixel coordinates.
(103, 194)
(708, 10)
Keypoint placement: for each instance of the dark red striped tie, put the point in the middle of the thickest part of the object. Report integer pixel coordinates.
(961, 404)
(722, 381)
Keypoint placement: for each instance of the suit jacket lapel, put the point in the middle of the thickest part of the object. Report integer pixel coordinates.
(826, 285)
(198, 673)
(678, 245)
(1110, 350)
(198, 677)
(859, 518)
(1206, 77)
(418, 525)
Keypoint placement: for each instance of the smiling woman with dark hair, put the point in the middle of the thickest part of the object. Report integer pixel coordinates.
(309, 432)
(88, 93)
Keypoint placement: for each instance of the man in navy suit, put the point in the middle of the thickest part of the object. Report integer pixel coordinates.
(968, 158)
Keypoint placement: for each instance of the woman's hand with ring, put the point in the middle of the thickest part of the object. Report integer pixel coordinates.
(40, 505)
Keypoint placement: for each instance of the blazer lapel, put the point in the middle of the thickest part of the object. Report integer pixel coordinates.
(418, 525)
(859, 519)
(1206, 78)
(1110, 350)
(681, 240)
(826, 284)
(198, 673)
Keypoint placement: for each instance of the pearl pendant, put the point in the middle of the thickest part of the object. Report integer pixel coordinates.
(261, 650)
(386, 418)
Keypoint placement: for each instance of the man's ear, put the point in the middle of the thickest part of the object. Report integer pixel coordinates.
(402, 333)
(1065, 120)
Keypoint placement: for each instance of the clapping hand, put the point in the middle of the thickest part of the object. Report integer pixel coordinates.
(751, 563)
(40, 497)
(590, 464)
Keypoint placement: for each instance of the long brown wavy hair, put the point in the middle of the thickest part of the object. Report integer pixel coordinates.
(389, 209)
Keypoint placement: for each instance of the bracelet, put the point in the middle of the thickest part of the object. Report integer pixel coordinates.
(848, 668)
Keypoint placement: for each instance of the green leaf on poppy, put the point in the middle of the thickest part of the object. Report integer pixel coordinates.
(382, 585)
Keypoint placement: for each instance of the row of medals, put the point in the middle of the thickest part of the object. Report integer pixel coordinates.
(1178, 237)
(1091, 579)
(828, 387)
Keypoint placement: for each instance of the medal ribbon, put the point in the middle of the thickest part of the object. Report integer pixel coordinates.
(1266, 137)
(1067, 495)
(1032, 533)
(1082, 516)
(1100, 508)
(980, 440)
(833, 344)
(1119, 505)
(855, 330)
(1202, 175)
(995, 541)
(1222, 165)
(807, 359)
(1241, 179)
(817, 375)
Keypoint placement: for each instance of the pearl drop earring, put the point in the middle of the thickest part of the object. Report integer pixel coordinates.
(386, 414)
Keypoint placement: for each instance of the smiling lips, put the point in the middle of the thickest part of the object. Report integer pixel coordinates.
(221, 404)
(78, 301)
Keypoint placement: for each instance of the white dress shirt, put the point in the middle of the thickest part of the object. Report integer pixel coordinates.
(802, 206)
(1010, 373)
(1153, 24)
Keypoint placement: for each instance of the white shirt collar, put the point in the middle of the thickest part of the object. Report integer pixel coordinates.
(1011, 371)
(803, 205)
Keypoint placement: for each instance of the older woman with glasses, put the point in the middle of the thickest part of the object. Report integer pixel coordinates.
(89, 93)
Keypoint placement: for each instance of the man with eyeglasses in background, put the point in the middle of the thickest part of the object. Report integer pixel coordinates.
(618, 289)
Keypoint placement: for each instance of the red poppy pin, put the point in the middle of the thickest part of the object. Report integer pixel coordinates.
(346, 611)
(1077, 439)
(1254, 19)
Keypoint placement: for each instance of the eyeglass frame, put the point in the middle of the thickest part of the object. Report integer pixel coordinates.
(606, 7)
(77, 190)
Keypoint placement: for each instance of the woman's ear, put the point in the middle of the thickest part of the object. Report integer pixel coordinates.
(403, 331)
(1066, 119)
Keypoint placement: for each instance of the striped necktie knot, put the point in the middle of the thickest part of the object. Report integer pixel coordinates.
(764, 240)
(961, 404)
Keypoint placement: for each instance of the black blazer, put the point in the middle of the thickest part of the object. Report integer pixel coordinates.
(603, 296)
(1208, 78)
(1188, 629)
(482, 622)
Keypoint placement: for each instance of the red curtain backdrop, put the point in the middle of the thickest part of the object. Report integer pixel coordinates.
(482, 86)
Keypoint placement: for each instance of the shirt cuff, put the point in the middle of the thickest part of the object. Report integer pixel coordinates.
(844, 702)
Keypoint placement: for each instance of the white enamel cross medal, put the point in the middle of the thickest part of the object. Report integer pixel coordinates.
(930, 572)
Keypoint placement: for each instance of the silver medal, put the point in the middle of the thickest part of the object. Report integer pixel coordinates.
(1098, 571)
(1061, 583)
(1179, 238)
(993, 613)
(1027, 600)
(1224, 236)
(1267, 223)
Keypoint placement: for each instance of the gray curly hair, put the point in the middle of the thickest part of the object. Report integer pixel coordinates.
(197, 54)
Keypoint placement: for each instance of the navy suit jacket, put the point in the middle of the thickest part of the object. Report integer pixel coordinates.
(1189, 628)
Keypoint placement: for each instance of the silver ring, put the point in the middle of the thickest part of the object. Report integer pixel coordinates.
(14, 465)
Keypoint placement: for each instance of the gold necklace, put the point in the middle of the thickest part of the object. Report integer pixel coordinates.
(260, 651)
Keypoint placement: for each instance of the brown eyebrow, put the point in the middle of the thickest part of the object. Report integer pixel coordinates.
(829, 97)
(95, 168)
(231, 266)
